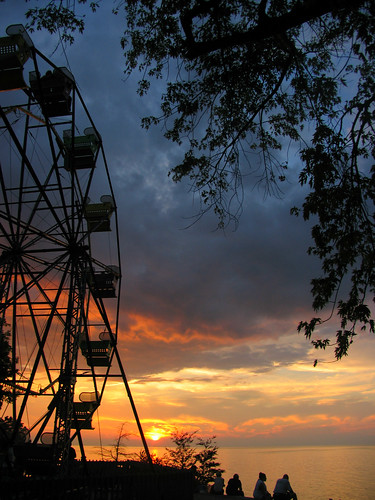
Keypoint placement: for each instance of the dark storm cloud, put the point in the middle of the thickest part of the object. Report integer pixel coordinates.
(229, 279)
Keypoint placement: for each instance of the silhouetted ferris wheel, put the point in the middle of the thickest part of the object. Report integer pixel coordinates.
(59, 251)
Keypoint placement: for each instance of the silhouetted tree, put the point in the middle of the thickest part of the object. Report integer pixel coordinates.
(142, 457)
(6, 369)
(250, 79)
(186, 455)
(117, 451)
(206, 460)
(183, 455)
(6, 432)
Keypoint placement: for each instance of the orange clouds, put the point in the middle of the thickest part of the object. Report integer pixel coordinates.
(141, 328)
(286, 425)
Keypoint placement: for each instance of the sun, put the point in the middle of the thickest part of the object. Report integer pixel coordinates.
(155, 436)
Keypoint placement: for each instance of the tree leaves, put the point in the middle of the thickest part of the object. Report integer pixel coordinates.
(186, 456)
(55, 18)
(6, 367)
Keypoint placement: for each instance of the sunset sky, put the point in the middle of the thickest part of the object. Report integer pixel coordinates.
(208, 326)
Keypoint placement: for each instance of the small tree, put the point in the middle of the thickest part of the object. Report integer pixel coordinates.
(185, 456)
(142, 457)
(206, 461)
(116, 451)
(6, 433)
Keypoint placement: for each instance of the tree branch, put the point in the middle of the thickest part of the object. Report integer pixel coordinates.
(267, 26)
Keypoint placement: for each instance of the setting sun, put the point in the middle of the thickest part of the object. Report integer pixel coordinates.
(155, 434)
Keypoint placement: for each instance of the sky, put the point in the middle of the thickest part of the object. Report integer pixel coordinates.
(208, 323)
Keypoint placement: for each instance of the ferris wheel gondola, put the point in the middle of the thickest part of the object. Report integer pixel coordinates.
(60, 290)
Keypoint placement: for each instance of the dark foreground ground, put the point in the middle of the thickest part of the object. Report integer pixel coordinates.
(207, 496)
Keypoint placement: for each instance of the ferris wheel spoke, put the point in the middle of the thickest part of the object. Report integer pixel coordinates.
(30, 168)
(35, 208)
(39, 353)
(7, 214)
(34, 279)
(38, 336)
(28, 230)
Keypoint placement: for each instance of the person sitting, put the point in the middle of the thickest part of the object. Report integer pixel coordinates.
(260, 490)
(283, 489)
(234, 486)
(218, 486)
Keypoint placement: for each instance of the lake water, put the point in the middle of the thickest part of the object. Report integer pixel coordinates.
(315, 473)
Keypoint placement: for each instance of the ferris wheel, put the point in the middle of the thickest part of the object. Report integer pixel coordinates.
(60, 270)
